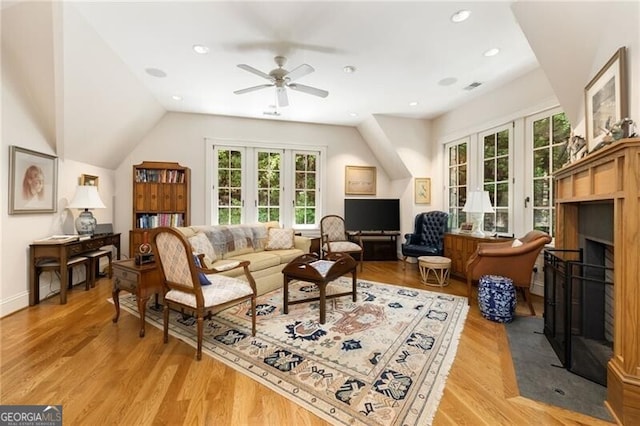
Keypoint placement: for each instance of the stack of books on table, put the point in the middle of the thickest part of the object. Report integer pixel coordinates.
(57, 239)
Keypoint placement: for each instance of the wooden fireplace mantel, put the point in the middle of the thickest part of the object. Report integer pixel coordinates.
(612, 174)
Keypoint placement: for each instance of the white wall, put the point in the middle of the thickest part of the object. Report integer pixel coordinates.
(21, 127)
(526, 95)
(181, 137)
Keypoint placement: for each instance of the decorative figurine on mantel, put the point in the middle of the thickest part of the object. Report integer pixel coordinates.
(622, 129)
(576, 148)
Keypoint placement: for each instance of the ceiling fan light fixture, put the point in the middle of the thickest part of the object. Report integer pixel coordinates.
(460, 16)
(200, 49)
(448, 81)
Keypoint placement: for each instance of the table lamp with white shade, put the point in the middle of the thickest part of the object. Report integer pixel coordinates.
(478, 203)
(86, 197)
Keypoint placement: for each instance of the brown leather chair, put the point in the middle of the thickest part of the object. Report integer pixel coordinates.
(508, 260)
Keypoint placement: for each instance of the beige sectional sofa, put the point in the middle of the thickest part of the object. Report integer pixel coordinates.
(267, 246)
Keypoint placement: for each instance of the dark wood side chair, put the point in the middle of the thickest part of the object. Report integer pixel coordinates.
(335, 239)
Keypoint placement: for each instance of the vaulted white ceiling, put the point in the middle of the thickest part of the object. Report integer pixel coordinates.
(83, 65)
(402, 52)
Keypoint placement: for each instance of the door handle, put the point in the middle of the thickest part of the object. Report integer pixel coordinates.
(526, 201)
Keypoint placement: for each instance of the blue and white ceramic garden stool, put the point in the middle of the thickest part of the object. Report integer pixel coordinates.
(497, 298)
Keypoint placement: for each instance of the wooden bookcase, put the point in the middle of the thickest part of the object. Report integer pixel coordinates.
(161, 197)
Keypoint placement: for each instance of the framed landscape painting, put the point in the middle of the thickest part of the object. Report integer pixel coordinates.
(33, 181)
(360, 180)
(606, 99)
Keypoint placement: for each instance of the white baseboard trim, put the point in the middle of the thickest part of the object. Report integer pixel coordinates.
(14, 303)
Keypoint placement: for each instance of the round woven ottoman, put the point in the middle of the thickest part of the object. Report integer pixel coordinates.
(497, 298)
(437, 265)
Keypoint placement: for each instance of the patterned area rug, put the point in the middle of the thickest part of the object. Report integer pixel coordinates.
(382, 360)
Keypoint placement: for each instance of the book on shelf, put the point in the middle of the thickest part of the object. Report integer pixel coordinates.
(56, 239)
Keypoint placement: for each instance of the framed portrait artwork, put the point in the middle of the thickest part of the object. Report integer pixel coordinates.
(360, 180)
(422, 190)
(606, 99)
(88, 180)
(33, 181)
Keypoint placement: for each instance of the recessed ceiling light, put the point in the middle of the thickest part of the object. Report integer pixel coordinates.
(155, 72)
(201, 49)
(448, 81)
(413, 103)
(460, 16)
(176, 97)
(349, 69)
(492, 52)
(353, 114)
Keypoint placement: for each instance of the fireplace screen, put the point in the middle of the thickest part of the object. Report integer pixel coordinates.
(578, 316)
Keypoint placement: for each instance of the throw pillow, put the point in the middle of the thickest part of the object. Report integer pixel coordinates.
(280, 239)
(516, 243)
(201, 275)
(201, 244)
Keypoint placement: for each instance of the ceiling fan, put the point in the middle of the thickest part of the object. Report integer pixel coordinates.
(281, 79)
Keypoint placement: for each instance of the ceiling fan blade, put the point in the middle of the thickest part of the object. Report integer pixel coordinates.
(255, 71)
(308, 89)
(299, 71)
(283, 99)
(251, 89)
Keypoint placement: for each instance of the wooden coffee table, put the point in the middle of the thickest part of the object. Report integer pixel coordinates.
(309, 268)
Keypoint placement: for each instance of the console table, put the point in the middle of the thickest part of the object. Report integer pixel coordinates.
(62, 252)
(377, 245)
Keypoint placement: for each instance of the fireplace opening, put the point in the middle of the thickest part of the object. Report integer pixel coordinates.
(578, 317)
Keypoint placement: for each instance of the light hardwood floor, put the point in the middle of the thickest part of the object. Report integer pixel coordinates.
(103, 373)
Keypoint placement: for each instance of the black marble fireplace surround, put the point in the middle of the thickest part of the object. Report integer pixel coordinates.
(578, 314)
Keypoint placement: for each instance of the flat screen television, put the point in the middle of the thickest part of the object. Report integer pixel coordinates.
(372, 214)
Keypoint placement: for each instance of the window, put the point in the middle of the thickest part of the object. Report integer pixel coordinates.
(457, 181)
(255, 183)
(306, 178)
(496, 171)
(549, 133)
(229, 186)
(268, 186)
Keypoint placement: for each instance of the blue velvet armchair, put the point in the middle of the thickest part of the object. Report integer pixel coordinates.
(428, 236)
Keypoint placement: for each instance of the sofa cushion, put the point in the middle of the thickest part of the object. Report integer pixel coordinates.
(280, 239)
(260, 236)
(201, 244)
(229, 240)
(287, 256)
(259, 260)
(186, 231)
